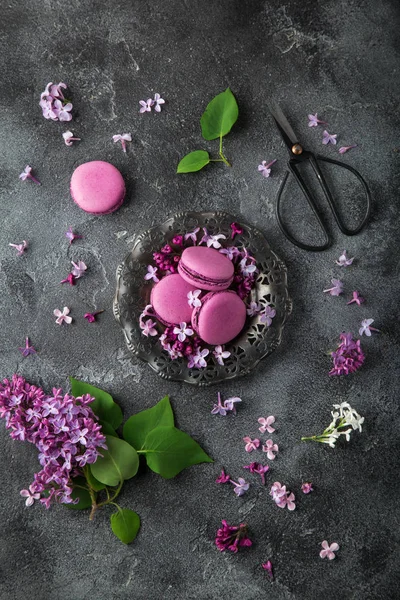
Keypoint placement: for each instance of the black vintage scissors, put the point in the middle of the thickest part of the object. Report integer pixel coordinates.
(299, 155)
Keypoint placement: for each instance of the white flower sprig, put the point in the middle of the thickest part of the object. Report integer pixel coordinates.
(345, 420)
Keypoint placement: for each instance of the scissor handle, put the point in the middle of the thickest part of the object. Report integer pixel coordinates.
(309, 156)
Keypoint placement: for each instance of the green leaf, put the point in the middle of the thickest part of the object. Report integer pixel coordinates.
(103, 406)
(194, 161)
(92, 481)
(169, 450)
(138, 426)
(220, 116)
(118, 463)
(106, 429)
(125, 525)
(85, 500)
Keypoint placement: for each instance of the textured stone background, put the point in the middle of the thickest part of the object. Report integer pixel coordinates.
(339, 58)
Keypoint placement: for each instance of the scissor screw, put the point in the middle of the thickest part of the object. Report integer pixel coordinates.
(297, 149)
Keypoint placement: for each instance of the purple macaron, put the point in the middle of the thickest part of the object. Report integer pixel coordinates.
(220, 318)
(169, 299)
(97, 187)
(206, 268)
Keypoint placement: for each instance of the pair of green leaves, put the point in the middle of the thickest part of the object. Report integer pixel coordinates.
(150, 432)
(216, 122)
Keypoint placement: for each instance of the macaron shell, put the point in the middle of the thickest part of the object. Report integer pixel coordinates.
(206, 268)
(169, 299)
(220, 318)
(97, 187)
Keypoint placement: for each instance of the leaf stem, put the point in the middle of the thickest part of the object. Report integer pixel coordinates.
(223, 158)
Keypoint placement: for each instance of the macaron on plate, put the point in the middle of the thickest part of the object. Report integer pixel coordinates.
(202, 298)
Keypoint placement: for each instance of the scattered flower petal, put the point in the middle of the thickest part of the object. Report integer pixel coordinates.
(78, 270)
(220, 354)
(265, 169)
(328, 551)
(197, 360)
(158, 101)
(193, 298)
(31, 495)
(306, 488)
(62, 316)
(344, 149)
(69, 279)
(267, 566)
(343, 261)
(269, 447)
(192, 235)
(27, 174)
(20, 247)
(366, 327)
(123, 138)
(253, 309)
(328, 138)
(28, 349)
(313, 121)
(148, 328)
(267, 316)
(247, 269)
(69, 138)
(337, 288)
(146, 105)
(91, 317)
(251, 444)
(230, 252)
(240, 487)
(282, 497)
(72, 236)
(236, 229)
(356, 298)
(223, 478)
(182, 331)
(151, 274)
(266, 424)
(256, 467)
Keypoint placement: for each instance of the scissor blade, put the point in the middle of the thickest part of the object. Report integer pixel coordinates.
(282, 121)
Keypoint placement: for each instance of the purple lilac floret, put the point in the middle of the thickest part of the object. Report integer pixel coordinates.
(227, 406)
(63, 428)
(348, 357)
(53, 103)
(267, 566)
(258, 468)
(231, 537)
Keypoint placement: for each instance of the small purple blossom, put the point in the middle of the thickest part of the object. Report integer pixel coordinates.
(91, 317)
(145, 106)
(266, 424)
(69, 138)
(53, 103)
(366, 327)
(193, 298)
(269, 447)
(62, 317)
(240, 487)
(230, 252)
(328, 551)
(256, 467)
(177, 240)
(20, 247)
(282, 497)
(197, 360)
(306, 488)
(72, 236)
(30, 494)
(223, 478)
(313, 121)
(348, 357)
(227, 406)
(148, 328)
(267, 315)
(78, 269)
(267, 566)
(343, 261)
(236, 229)
(265, 169)
(28, 349)
(253, 309)
(69, 279)
(247, 269)
(192, 235)
(212, 241)
(251, 444)
(27, 174)
(157, 102)
(220, 354)
(232, 537)
(182, 331)
(357, 299)
(344, 149)
(327, 138)
(337, 288)
(123, 138)
(151, 274)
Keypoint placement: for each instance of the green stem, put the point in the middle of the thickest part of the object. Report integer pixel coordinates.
(223, 158)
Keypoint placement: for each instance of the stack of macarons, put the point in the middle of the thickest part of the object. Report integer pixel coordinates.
(217, 314)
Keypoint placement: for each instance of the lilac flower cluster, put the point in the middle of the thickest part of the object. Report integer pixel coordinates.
(348, 357)
(63, 429)
(53, 104)
(231, 537)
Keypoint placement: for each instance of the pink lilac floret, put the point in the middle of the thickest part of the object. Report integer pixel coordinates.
(266, 424)
(251, 444)
(63, 428)
(270, 448)
(356, 299)
(258, 468)
(267, 566)
(327, 138)
(306, 488)
(20, 248)
(328, 550)
(28, 349)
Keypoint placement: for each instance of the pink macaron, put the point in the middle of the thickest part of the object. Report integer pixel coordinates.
(169, 299)
(206, 268)
(97, 187)
(220, 318)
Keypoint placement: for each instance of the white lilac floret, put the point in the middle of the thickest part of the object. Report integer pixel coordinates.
(220, 354)
(345, 420)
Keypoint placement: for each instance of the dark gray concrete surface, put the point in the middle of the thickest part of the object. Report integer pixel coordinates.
(339, 58)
